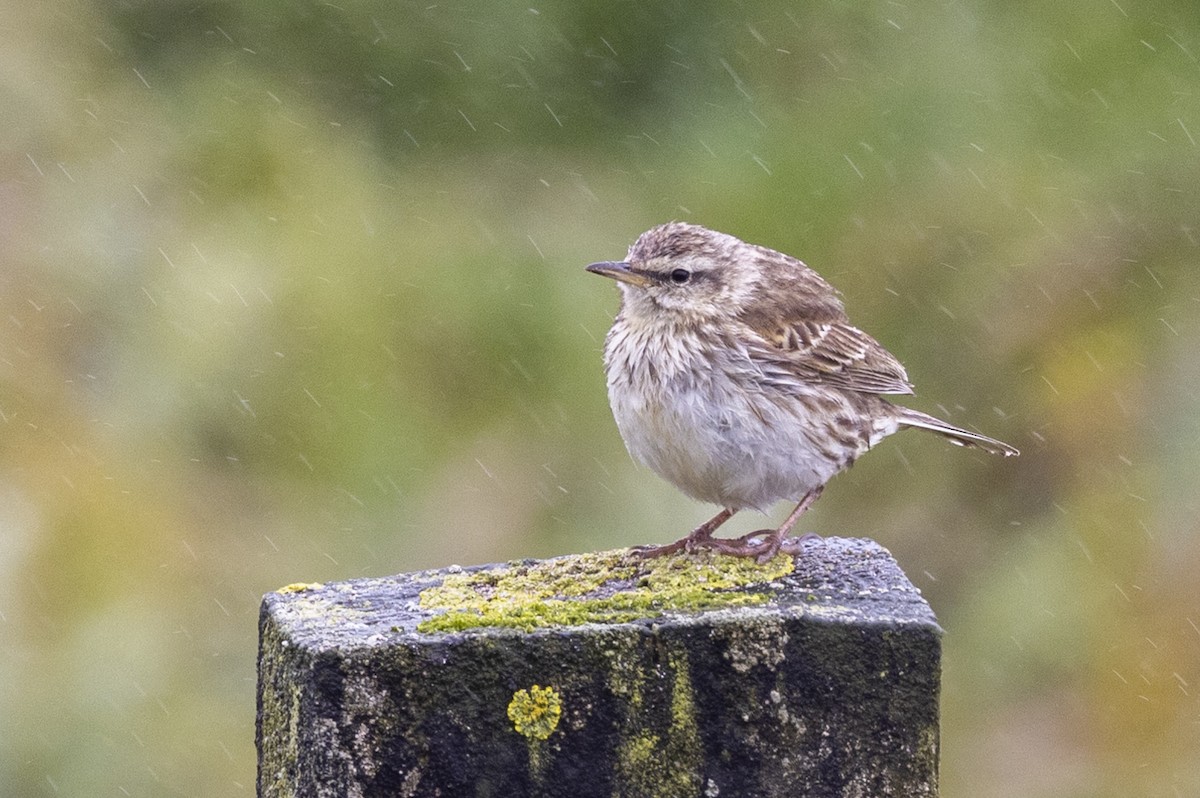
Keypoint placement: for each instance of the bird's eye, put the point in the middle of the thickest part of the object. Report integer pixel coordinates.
(680, 276)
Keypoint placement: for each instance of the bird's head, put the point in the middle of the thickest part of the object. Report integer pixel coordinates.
(685, 272)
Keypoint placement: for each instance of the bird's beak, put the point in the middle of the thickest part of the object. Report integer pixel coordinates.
(620, 270)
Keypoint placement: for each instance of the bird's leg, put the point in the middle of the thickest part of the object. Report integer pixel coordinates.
(772, 539)
(700, 537)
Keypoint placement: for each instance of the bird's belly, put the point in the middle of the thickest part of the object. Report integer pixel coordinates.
(721, 444)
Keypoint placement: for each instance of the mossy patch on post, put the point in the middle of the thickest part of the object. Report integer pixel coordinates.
(605, 587)
(656, 760)
(824, 681)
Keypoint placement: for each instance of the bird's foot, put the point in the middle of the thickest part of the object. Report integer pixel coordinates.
(763, 545)
(647, 552)
(744, 546)
(699, 538)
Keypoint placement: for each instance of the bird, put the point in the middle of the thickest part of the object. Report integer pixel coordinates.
(733, 372)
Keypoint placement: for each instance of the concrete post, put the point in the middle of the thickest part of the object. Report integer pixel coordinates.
(605, 675)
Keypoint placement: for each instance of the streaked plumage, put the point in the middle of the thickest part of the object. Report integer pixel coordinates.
(733, 373)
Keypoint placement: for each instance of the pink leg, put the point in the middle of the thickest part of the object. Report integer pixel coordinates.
(772, 539)
(699, 538)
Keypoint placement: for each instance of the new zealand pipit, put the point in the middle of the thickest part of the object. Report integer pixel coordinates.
(734, 373)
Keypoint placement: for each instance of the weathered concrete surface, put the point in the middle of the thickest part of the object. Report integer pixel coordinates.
(824, 684)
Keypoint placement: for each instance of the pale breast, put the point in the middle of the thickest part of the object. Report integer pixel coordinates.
(711, 425)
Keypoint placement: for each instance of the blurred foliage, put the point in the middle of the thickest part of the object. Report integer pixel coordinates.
(293, 291)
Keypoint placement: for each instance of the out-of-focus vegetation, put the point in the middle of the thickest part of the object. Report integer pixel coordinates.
(294, 291)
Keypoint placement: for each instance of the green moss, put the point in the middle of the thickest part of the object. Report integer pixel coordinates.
(654, 762)
(682, 761)
(605, 587)
(684, 745)
(637, 757)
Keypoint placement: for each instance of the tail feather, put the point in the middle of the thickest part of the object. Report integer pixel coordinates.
(961, 437)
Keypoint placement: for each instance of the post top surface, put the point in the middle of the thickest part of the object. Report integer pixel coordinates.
(833, 580)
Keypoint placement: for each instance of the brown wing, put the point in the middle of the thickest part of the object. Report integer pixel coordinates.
(831, 353)
(806, 337)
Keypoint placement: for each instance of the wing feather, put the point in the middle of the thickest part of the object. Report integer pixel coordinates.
(802, 333)
(831, 353)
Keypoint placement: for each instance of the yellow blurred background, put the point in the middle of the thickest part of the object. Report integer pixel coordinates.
(294, 291)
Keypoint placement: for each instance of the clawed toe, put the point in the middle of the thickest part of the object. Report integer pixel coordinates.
(700, 538)
(762, 545)
(745, 546)
(649, 552)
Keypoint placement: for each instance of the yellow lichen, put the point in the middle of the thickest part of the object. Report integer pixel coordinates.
(300, 587)
(535, 712)
(606, 587)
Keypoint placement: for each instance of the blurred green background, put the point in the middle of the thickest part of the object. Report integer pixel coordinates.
(294, 291)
